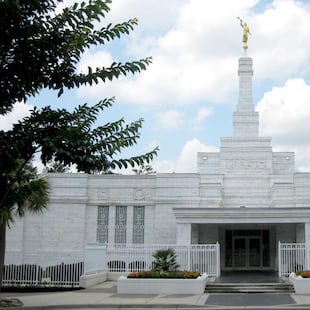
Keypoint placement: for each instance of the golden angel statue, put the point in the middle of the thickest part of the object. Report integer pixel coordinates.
(246, 32)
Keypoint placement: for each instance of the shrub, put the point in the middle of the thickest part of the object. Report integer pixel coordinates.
(165, 260)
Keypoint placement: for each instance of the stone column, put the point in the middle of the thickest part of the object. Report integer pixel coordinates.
(111, 235)
(184, 234)
(129, 224)
(245, 73)
(245, 119)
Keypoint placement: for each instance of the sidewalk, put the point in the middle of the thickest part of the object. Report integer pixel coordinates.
(105, 296)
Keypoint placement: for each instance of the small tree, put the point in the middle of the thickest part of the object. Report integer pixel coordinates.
(165, 260)
(41, 49)
(27, 192)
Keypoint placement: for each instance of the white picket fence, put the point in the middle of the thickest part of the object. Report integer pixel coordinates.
(135, 257)
(60, 275)
(29, 270)
(43, 268)
(292, 257)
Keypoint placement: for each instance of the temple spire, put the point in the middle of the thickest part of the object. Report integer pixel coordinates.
(245, 119)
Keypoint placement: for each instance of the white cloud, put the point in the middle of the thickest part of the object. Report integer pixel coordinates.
(196, 48)
(281, 40)
(202, 114)
(20, 110)
(285, 112)
(187, 160)
(94, 60)
(284, 115)
(171, 119)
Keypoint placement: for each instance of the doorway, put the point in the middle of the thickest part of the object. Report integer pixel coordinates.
(247, 249)
(247, 252)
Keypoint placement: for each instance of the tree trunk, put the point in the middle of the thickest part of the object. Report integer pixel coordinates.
(2, 251)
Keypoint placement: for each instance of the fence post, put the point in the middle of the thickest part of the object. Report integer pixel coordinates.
(279, 259)
(218, 260)
(189, 257)
(307, 255)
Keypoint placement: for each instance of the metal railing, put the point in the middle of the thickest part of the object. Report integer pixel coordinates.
(139, 257)
(43, 268)
(292, 257)
(34, 275)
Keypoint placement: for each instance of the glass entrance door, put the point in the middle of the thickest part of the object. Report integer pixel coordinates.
(247, 249)
(239, 252)
(254, 252)
(247, 252)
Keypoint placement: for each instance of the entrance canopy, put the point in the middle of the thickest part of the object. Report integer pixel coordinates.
(241, 215)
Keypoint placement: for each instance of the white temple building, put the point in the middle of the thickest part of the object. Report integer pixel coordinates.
(245, 197)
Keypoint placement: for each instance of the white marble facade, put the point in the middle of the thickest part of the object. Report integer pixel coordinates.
(246, 197)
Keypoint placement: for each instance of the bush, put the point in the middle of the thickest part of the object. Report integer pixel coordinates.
(165, 260)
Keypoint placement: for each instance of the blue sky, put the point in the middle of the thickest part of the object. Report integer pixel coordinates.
(187, 96)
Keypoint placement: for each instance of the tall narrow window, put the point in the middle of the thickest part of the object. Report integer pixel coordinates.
(103, 224)
(120, 224)
(138, 224)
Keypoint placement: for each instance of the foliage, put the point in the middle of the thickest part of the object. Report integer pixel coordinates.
(54, 166)
(27, 192)
(169, 275)
(69, 137)
(165, 260)
(144, 170)
(40, 48)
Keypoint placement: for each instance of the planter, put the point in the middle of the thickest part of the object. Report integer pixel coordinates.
(89, 280)
(162, 286)
(301, 285)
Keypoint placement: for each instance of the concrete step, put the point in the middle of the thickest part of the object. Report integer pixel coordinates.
(249, 288)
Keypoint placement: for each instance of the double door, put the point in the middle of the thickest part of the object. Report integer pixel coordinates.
(247, 252)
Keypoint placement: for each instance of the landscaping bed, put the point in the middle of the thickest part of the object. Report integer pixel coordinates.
(164, 278)
(165, 286)
(167, 275)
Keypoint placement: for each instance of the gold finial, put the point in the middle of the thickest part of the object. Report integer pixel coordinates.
(246, 32)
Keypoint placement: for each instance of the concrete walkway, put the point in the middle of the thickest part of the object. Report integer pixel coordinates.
(105, 296)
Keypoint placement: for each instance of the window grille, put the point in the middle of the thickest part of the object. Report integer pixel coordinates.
(103, 224)
(120, 224)
(138, 224)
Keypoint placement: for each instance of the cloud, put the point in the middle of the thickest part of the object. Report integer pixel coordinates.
(202, 114)
(20, 110)
(153, 15)
(281, 40)
(284, 112)
(170, 120)
(284, 115)
(94, 60)
(195, 50)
